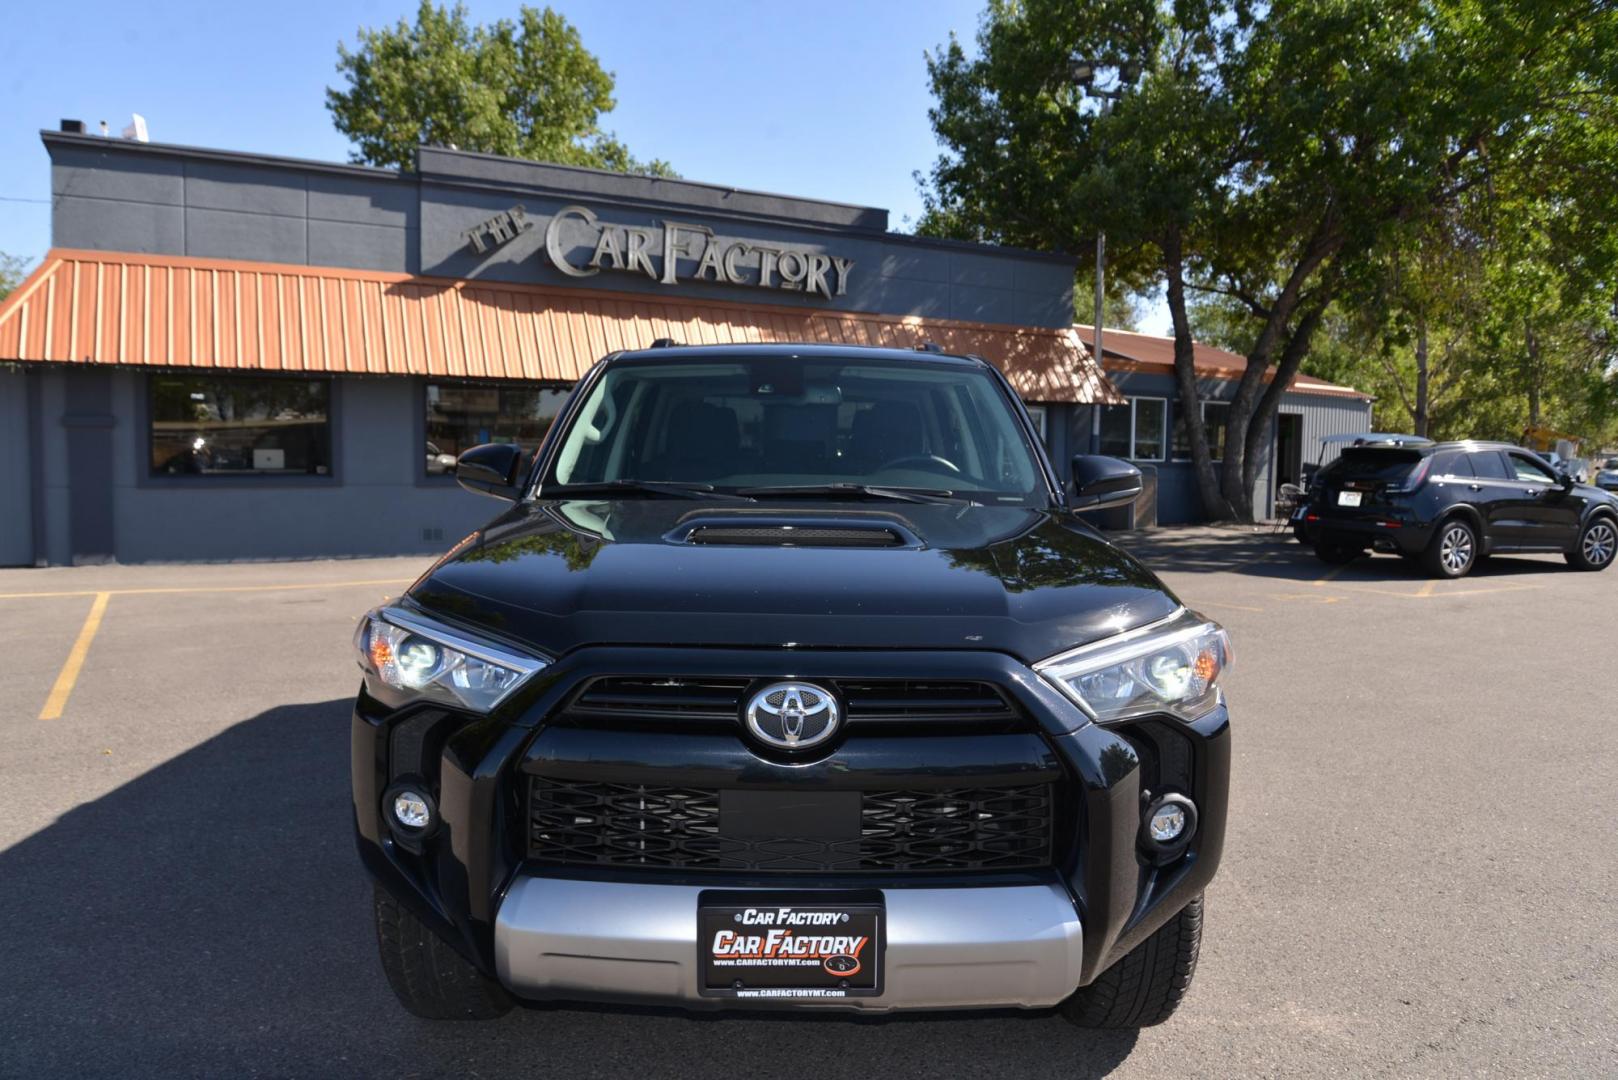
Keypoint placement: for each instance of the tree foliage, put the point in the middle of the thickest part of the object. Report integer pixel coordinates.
(13, 269)
(526, 88)
(1279, 165)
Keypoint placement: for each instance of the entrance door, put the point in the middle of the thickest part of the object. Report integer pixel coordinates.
(1288, 450)
(16, 527)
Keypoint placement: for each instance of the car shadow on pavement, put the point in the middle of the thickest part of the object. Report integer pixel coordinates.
(1277, 556)
(210, 918)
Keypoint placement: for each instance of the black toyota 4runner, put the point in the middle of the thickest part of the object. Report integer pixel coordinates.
(791, 678)
(1450, 504)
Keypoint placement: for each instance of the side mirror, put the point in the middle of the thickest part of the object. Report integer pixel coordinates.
(1100, 482)
(1565, 480)
(491, 469)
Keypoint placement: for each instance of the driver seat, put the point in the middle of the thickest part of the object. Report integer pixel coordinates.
(887, 431)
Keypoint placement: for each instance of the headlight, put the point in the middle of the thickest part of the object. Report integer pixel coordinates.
(424, 659)
(1170, 667)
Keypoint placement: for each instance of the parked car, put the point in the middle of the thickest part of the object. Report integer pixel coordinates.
(1314, 473)
(1607, 476)
(791, 677)
(1450, 504)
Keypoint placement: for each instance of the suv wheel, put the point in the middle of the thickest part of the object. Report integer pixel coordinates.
(1453, 551)
(431, 979)
(1147, 985)
(1598, 543)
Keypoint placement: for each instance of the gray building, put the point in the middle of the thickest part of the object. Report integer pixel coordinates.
(1147, 429)
(231, 356)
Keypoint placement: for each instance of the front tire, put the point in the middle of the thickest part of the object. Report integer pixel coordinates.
(431, 980)
(1148, 984)
(1453, 551)
(1598, 544)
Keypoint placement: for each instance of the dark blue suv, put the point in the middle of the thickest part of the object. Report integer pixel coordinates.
(1448, 505)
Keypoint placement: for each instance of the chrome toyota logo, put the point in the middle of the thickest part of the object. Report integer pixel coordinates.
(793, 715)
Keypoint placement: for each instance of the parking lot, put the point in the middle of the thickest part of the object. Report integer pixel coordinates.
(1421, 876)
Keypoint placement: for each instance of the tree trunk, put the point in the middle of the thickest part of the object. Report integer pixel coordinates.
(1423, 398)
(1214, 506)
(1297, 347)
(1532, 344)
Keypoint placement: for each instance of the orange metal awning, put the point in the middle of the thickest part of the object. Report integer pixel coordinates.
(94, 307)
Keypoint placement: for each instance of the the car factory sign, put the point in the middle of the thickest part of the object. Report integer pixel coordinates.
(656, 251)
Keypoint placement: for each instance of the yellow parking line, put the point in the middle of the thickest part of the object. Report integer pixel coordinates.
(1329, 574)
(75, 659)
(1427, 589)
(208, 589)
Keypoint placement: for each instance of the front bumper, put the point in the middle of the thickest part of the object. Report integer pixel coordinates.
(959, 940)
(947, 948)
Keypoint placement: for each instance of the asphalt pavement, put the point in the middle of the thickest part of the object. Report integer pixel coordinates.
(1421, 875)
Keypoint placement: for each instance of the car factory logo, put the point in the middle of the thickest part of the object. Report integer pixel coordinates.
(793, 715)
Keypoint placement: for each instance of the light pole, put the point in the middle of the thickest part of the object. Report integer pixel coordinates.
(1084, 74)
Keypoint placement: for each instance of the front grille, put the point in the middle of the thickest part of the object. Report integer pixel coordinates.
(713, 703)
(592, 823)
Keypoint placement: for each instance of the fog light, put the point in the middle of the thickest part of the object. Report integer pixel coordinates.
(410, 810)
(1166, 825)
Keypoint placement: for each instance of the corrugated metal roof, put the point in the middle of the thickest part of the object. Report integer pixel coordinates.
(1128, 350)
(95, 307)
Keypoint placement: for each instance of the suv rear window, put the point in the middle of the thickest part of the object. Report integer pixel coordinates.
(1382, 465)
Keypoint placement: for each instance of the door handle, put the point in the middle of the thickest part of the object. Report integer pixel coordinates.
(1474, 487)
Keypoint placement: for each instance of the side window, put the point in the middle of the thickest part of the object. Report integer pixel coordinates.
(1527, 469)
(1452, 464)
(1488, 464)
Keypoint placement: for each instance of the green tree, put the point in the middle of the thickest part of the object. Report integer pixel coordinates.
(1266, 154)
(13, 269)
(526, 88)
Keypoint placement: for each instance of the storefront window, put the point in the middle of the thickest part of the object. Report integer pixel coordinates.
(1136, 430)
(464, 415)
(209, 425)
(1213, 419)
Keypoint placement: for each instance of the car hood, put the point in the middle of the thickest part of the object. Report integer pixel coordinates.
(560, 575)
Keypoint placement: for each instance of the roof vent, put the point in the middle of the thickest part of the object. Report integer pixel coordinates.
(73, 127)
(858, 536)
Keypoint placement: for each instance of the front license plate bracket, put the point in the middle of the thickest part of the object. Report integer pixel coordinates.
(790, 946)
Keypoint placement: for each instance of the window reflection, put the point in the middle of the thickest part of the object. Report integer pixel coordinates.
(464, 415)
(241, 426)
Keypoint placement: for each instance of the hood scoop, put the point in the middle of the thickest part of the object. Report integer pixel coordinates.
(827, 532)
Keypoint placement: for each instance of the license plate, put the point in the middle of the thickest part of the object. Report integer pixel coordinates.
(1348, 498)
(790, 947)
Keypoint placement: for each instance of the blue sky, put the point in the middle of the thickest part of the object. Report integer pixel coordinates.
(827, 100)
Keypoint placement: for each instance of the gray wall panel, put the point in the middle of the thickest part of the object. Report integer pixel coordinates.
(367, 247)
(97, 173)
(108, 225)
(364, 201)
(16, 520)
(212, 185)
(226, 234)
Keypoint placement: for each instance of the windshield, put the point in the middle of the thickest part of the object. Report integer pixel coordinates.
(788, 422)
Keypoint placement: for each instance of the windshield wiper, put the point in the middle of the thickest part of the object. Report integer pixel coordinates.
(856, 491)
(669, 488)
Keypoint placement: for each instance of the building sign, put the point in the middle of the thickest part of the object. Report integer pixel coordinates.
(656, 252)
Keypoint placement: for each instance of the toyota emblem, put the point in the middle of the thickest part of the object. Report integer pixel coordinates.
(793, 715)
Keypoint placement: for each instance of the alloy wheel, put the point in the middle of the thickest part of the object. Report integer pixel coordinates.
(1600, 542)
(1455, 549)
